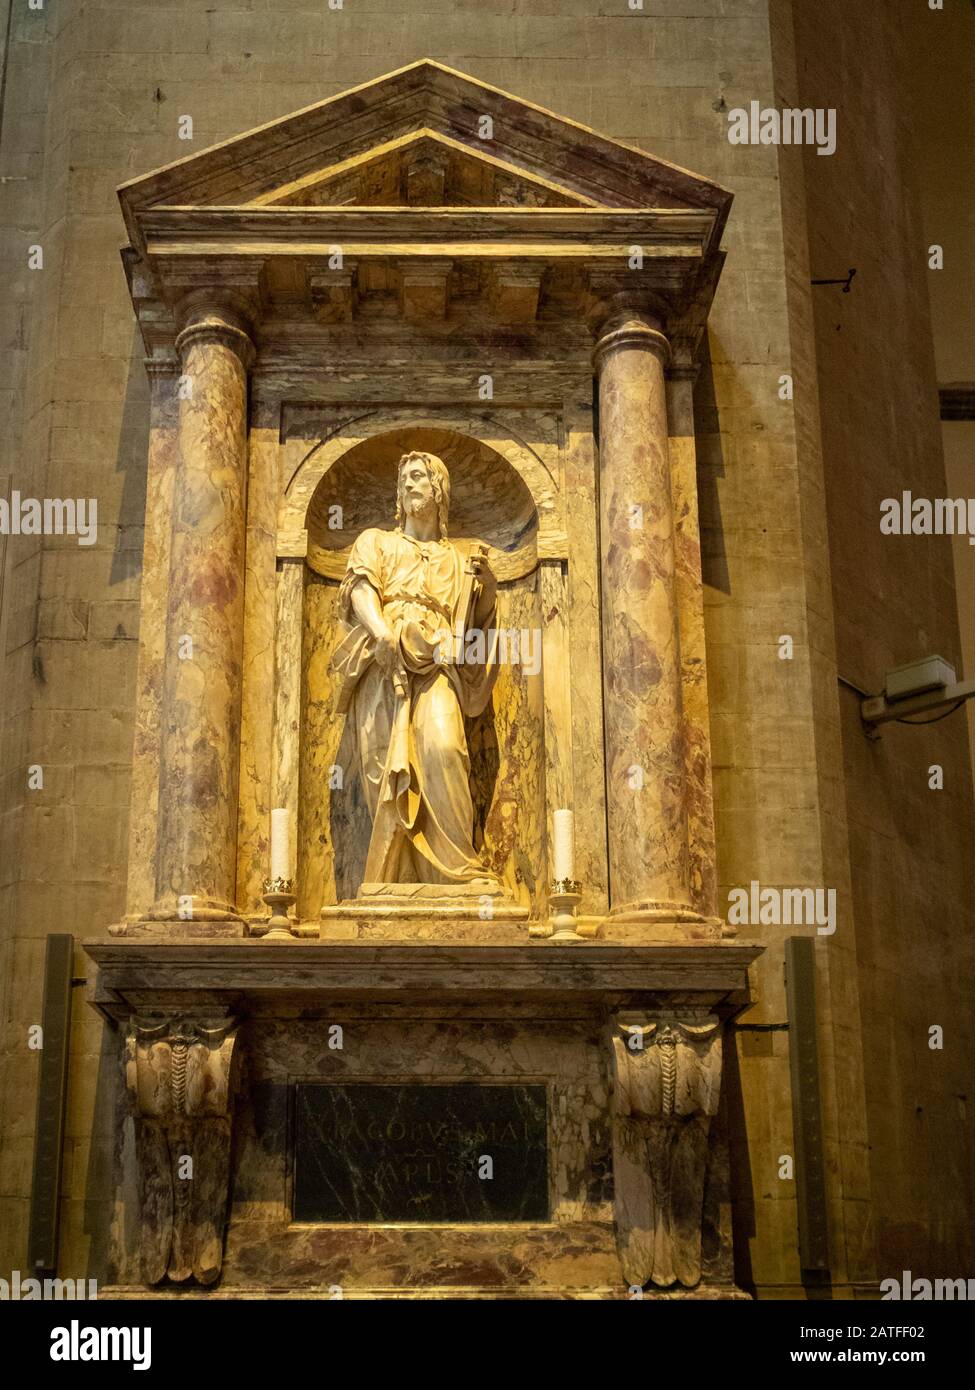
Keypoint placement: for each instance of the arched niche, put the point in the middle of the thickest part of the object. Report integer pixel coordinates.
(479, 451)
(491, 502)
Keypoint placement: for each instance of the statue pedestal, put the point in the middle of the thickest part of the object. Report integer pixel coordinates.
(427, 912)
(422, 1119)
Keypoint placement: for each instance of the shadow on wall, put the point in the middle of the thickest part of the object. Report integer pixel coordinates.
(99, 1178)
(739, 1160)
(130, 460)
(710, 469)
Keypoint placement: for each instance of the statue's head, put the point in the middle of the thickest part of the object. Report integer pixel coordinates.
(422, 482)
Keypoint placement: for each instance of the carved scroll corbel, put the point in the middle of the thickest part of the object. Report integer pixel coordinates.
(181, 1075)
(667, 1080)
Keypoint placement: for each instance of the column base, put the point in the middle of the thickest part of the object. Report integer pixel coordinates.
(193, 907)
(651, 919)
(173, 927)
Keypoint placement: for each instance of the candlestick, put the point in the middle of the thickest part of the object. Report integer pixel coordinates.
(564, 898)
(279, 896)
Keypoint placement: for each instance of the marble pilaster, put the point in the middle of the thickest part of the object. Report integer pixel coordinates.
(588, 785)
(556, 665)
(257, 722)
(690, 603)
(289, 591)
(146, 748)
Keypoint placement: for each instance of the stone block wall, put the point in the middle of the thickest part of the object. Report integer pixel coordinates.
(893, 600)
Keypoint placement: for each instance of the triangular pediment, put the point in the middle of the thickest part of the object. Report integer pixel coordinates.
(424, 135)
(422, 169)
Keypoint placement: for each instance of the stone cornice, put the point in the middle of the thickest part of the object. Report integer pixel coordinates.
(247, 251)
(251, 215)
(234, 972)
(657, 227)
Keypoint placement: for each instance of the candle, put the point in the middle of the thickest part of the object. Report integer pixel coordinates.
(564, 856)
(280, 847)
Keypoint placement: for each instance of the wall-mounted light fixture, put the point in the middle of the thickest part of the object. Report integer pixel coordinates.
(927, 689)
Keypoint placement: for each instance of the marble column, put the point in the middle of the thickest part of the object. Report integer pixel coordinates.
(196, 852)
(642, 688)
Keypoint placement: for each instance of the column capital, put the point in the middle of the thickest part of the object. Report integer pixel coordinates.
(631, 328)
(204, 317)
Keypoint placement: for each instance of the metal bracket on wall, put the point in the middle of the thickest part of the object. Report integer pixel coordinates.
(807, 1119)
(845, 283)
(45, 1199)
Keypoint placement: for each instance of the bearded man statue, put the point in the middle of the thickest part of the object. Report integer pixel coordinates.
(407, 599)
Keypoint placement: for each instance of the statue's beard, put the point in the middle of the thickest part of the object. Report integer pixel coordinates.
(418, 506)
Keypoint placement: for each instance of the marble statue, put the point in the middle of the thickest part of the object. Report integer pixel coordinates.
(407, 600)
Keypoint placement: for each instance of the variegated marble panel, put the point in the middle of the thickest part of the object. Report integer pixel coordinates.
(262, 1241)
(588, 782)
(574, 1251)
(259, 676)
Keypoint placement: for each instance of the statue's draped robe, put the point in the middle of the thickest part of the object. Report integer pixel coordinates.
(412, 747)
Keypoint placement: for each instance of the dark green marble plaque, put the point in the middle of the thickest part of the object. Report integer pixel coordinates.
(368, 1153)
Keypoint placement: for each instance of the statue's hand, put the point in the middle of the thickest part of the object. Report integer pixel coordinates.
(486, 579)
(388, 657)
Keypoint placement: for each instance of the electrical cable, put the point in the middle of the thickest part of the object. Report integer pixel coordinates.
(943, 715)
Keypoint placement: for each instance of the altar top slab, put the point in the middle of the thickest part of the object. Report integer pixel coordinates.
(239, 973)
